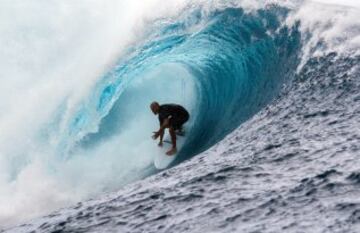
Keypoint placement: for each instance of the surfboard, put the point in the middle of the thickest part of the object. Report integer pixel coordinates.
(162, 160)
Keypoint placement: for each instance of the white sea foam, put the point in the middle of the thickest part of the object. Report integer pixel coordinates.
(328, 26)
(352, 3)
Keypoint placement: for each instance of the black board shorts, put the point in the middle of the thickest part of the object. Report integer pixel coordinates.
(177, 121)
(176, 114)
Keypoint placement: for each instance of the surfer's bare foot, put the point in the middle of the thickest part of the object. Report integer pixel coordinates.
(180, 133)
(172, 151)
(160, 144)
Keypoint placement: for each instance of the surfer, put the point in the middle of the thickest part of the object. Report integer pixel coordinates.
(171, 116)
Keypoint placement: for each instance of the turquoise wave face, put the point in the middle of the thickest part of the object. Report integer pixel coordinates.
(224, 66)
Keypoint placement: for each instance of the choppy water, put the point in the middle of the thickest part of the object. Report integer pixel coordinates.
(289, 86)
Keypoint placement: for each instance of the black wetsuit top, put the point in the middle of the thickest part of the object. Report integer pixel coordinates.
(178, 115)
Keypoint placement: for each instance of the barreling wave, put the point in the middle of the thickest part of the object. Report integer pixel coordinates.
(236, 63)
(223, 62)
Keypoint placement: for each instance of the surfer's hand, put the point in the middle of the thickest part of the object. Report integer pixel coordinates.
(156, 135)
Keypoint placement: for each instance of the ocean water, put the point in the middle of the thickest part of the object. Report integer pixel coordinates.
(271, 146)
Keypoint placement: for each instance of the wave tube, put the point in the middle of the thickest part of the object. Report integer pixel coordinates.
(228, 65)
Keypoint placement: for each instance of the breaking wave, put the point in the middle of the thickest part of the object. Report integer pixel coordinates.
(79, 123)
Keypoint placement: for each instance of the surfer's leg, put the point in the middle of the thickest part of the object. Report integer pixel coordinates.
(180, 131)
(161, 138)
(178, 123)
(173, 141)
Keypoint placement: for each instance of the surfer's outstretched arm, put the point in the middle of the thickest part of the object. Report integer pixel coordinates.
(161, 131)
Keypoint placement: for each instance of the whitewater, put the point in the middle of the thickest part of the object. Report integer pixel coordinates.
(272, 88)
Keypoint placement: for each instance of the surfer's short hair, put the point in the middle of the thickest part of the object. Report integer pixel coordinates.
(153, 104)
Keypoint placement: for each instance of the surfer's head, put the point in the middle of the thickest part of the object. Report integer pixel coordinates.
(155, 107)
